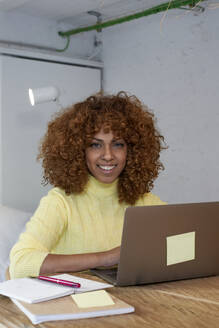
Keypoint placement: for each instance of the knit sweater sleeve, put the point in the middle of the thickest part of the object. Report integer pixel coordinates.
(152, 199)
(42, 233)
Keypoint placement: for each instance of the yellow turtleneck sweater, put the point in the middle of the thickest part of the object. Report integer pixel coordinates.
(88, 222)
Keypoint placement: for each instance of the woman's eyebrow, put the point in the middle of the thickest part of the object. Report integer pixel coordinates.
(100, 140)
(113, 140)
(118, 139)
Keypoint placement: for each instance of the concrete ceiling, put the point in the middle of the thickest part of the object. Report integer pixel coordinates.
(75, 12)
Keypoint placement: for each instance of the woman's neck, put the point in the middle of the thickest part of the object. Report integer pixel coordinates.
(101, 189)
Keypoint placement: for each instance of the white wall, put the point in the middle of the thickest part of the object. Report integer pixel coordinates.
(0, 134)
(44, 32)
(15, 111)
(175, 71)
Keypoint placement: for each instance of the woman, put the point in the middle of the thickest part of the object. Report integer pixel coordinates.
(101, 155)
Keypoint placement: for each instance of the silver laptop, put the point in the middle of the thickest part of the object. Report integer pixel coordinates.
(166, 243)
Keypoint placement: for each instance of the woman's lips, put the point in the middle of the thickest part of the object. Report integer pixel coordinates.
(106, 168)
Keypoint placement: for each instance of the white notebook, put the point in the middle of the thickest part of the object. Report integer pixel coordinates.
(33, 290)
(65, 308)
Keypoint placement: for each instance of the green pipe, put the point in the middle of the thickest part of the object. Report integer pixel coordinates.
(66, 46)
(165, 6)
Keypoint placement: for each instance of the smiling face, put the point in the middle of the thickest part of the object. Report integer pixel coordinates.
(106, 156)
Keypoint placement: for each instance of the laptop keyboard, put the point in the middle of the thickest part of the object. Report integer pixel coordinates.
(111, 273)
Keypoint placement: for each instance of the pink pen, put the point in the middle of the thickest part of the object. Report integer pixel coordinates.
(60, 281)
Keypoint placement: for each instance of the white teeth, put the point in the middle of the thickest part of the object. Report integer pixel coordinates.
(106, 167)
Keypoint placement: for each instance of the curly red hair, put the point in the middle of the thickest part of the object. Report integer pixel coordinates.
(70, 132)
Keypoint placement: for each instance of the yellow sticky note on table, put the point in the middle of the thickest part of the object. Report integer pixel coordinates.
(180, 248)
(93, 299)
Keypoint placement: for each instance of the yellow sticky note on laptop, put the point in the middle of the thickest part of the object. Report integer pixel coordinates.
(181, 248)
(93, 299)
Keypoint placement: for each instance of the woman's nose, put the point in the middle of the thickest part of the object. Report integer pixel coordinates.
(107, 153)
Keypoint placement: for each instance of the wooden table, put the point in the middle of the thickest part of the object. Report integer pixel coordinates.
(186, 303)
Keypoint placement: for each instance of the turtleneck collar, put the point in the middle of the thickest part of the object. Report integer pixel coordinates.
(101, 189)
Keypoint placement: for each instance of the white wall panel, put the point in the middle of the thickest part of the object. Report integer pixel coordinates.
(23, 125)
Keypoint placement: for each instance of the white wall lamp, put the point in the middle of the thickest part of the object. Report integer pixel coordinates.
(42, 95)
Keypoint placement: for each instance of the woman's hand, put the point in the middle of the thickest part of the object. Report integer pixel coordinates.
(111, 257)
(78, 262)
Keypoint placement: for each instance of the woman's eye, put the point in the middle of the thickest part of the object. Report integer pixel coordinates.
(119, 144)
(95, 145)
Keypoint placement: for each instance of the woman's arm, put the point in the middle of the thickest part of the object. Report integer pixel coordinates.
(32, 254)
(54, 263)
